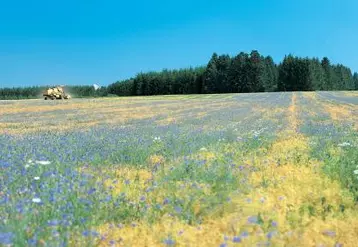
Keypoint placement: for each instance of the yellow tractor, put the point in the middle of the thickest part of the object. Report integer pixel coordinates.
(55, 93)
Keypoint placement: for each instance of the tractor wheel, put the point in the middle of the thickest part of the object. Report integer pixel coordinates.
(45, 98)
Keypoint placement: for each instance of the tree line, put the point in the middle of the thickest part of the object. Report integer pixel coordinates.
(36, 92)
(243, 73)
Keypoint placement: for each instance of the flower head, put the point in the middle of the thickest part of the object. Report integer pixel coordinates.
(236, 239)
(6, 238)
(169, 241)
(43, 162)
(252, 219)
(36, 200)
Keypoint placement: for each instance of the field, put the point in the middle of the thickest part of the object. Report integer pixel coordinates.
(265, 169)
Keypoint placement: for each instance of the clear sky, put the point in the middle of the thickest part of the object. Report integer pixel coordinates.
(84, 42)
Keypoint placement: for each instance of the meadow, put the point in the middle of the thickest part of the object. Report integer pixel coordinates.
(261, 169)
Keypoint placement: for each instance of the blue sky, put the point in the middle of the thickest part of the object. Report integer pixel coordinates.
(85, 42)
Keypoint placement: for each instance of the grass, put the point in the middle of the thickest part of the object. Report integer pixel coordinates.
(273, 169)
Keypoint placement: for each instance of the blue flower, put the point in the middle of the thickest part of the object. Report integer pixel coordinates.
(6, 238)
(32, 241)
(88, 233)
(91, 191)
(169, 241)
(270, 234)
(53, 222)
(178, 209)
(166, 201)
(236, 239)
(252, 219)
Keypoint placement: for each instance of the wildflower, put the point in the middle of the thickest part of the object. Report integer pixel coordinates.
(169, 241)
(270, 235)
(244, 234)
(274, 224)
(166, 201)
(203, 149)
(36, 200)
(29, 161)
(223, 245)
(42, 162)
(329, 233)
(53, 222)
(252, 219)
(55, 233)
(86, 233)
(6, 238)
(344, 144)
(356, 171)
(236, 239)
(37, 178)
(178, 209)
(32, 241)
(91, 191)
(156, 139)
(27, 166)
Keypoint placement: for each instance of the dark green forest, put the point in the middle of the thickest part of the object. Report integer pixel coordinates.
(243, 73)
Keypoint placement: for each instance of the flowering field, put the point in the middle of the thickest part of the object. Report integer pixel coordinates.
(265, 169)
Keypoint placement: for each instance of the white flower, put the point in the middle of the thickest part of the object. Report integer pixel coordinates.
(27, 166)
(37, 178)
(36, 200)
(355, 172)
(157, 138)
(29, 161)
(43, 162)
(203, 149)
(344, 144)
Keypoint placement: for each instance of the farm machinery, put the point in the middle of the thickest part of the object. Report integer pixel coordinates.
(55, 93)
